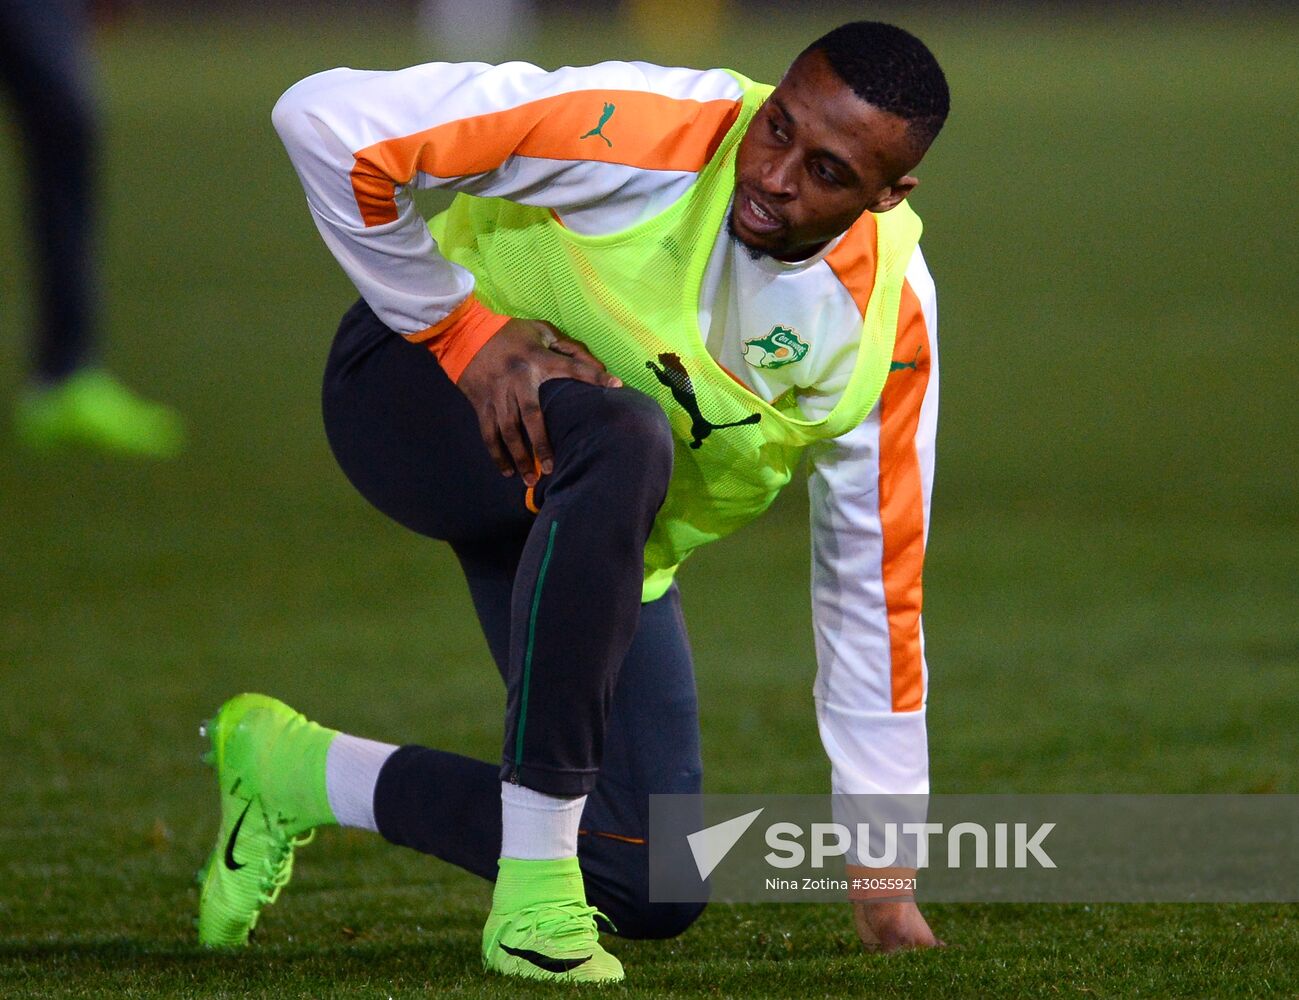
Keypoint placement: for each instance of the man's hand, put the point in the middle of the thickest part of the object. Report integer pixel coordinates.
(502, 382)
(892, 925)
(889, 922)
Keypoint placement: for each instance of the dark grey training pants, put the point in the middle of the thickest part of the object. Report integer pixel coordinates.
(601, 695)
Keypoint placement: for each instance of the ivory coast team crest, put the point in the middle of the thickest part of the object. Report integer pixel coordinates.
(777, 349)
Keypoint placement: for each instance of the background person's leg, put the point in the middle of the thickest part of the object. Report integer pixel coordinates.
(47, 65)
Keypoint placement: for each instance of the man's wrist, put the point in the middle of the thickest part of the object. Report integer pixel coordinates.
(458, 338)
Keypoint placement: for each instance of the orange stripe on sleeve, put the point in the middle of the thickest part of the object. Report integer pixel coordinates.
(853, 259)
(902, 512)
(460, 336)
(644, 130)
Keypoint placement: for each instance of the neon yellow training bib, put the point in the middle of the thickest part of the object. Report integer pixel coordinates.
(633, 298)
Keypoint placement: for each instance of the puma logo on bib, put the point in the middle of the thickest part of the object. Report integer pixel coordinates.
(673, 374)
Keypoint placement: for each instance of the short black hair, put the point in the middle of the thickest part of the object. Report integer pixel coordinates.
(891, 69)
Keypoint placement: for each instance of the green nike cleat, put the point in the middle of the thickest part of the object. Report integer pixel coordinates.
(91, 409)
(270, 765)
(541, 928)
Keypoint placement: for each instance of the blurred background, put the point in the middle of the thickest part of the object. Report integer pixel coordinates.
(1113, 574)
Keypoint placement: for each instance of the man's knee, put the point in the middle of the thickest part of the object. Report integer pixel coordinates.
(658, 920)
(631, 420)
(639, 435)
(623, 430)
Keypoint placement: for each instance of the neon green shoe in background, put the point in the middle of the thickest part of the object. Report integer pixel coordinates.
(91, 409)
(270, 765)
(541, 928)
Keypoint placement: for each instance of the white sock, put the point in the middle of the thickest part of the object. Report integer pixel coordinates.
(536, 826)
(351, 772)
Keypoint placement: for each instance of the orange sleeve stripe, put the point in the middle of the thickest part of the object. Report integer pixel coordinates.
(650, 131)
(902, 512)
(853, 260)
(458, 338)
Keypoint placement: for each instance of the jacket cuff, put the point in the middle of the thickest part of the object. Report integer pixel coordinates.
(460, 336)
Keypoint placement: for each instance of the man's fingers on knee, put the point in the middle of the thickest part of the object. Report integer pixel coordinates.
(492, 438)
(577, 351)
(590, 374)
(535, 425)
(520, 454)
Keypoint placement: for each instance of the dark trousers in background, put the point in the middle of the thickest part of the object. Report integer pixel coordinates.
(600, 689)
(47, 67)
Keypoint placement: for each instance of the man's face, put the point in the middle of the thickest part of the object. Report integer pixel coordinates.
(814, 158)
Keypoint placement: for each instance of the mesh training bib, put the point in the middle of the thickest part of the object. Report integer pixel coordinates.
(633, 298)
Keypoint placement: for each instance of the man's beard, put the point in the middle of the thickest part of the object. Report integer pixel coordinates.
(755, 253)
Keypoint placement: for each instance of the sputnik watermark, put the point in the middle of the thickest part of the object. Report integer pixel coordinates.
(1022, 848)
(1009, 844)
(833, 840)
(710, 846)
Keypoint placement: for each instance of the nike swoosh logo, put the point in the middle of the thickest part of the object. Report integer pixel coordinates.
(231, 863)
(545, 961)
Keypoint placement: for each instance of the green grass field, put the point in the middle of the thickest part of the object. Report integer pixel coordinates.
(1111, 585)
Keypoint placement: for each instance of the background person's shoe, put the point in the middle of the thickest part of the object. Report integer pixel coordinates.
(91, 409)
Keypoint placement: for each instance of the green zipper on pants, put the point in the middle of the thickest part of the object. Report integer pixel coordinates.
(527, 652)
